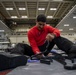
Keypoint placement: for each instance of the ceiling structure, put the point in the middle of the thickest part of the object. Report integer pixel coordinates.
(31, 8)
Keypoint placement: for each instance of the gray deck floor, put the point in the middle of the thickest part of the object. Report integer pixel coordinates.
(36, 68)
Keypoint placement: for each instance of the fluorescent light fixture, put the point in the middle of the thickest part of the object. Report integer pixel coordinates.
(71, 29)
(66, 24)
(14, 17)
(41, 8)
(24, 17)
(1, 30)
(22, 8)
(60, 29)
(74, 17)
(57, 0)
(9, 8)
(53, 8)
(49, 16)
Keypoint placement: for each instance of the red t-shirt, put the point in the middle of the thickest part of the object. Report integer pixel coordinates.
(37, 37)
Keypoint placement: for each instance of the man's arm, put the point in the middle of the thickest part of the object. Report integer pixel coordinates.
(33, 43)
(34, 46)
(52, 33)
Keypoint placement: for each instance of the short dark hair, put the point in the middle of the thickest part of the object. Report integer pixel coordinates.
(41, 18)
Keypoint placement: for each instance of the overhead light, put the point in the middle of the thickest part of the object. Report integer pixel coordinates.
(49, 16)
(22, 8)
(53, 8)
(9, 8)
(66, 24)
(41, 8)
(71, 29)
(14, 17)
(57, 0)
(24, 17)
(1, 30)
(60, 29)
(74, 17)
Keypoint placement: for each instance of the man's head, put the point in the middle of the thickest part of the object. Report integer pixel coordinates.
(41, 21)
(41, 18)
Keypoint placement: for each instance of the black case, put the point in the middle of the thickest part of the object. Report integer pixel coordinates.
(8, 61)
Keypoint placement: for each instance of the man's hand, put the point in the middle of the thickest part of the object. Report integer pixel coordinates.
(50, 54)
(40, 55)
(50, 37)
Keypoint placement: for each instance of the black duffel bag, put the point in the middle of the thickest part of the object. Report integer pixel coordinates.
(8, 61)
(20, 48)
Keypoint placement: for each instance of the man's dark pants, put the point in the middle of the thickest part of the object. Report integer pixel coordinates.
(62, 43)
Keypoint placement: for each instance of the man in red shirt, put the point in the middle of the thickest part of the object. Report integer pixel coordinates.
(43, 35)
